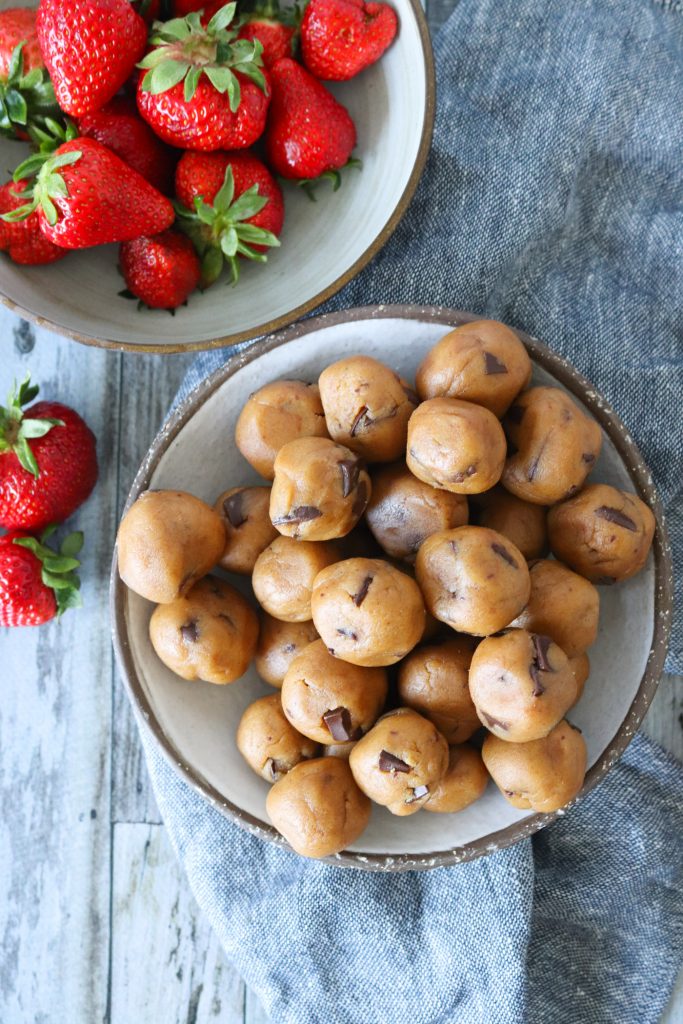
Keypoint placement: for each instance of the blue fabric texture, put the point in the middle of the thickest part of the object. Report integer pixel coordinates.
(552, 200)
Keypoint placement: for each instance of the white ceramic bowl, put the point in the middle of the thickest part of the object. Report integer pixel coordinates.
(194, 723)
(324, 243)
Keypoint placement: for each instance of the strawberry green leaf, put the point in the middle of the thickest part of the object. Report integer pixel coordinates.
(38, 428)
(191, 83)
(47, 532)
(248, 205)
(253, 73)
(248, 252)
(229, 243)
(16, 64)
(49, 209)
(221, 78)
(212, 264)
(204, 211)
(27, 391)
(17, 108)
(226, 193)
(257, 236)
(57, 581)
(72, 544)
(66, 599)
(222, 18)
(26, 457)
(60, 564)
(234, 93)
(165, 75)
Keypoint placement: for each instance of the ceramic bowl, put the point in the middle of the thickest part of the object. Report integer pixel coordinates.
(324, 243)
(194, 723)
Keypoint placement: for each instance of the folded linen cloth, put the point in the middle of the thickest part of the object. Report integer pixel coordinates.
(552, 200)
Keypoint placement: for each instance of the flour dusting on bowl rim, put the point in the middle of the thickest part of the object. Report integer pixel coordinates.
(642, 482)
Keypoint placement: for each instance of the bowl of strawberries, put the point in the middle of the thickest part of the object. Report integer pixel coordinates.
(234, 164)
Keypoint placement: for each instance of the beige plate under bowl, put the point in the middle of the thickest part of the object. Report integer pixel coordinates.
(324, 243)
(194, 723)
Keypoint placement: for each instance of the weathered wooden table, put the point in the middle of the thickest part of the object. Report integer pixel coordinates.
(96, 919)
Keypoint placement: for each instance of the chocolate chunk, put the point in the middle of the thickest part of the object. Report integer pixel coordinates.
(275, 769)
(360, 415)
(350, 471)
(418, 793)
(390, 763)
(613, 515)
(606, 581)
(411, 395)
(338, 721)
(571, 492)
(348, 633)
(495, 723)
(505, 555)
(330, 650)
(288, 648)
(361, 500)
(588, 458)
(360, 596)
(541, 645)
(189, 632)
(539, 688)
(493, 364)
(234, 509)
(470, 471)
(300, 514)
(509, 792)
(516, 413)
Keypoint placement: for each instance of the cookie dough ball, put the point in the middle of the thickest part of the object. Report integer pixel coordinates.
(248, 529)
(367, 407)
(543, 775)
(522, 685)
(320, 490)
(318, 807)
(267, 741)
(367, 611)
(473, 579)
(434, 681)
(553, 446)
(455, 446)
(330, 700)
(403, 511)
(520, 521)
(603, 533)
(342, 750)
(284, 574)
(482, 362)
(400, 761)
(279, 643)
(275, 414)
(465, 780)
(208, 634)
(581, 668)
(562, 605)
(168, 540)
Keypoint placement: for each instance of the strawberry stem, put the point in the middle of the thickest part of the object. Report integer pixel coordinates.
(58, 569)
(26, 100)
(16, 431)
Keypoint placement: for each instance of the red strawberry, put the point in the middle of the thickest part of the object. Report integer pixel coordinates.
(309, 133)
(231, 205)
(339, 38)
(150, 10)
(161, 271)
(181, 8)
(23, 240)
(48, 464)
(85, 195)
(26, 93)
(37, 583)
(119, 127)
(90, 48)
(276, 38)
(204, 89)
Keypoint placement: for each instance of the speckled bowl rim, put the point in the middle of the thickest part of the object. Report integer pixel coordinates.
(316, 300)
(640, 476)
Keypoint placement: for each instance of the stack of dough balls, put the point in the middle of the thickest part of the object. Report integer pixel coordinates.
(425, 565)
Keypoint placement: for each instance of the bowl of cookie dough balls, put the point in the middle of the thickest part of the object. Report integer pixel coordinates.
(392, 588)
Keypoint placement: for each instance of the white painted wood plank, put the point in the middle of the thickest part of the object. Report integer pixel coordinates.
(167, 965)
(55, 716)
(148, 386)
(253, 1011)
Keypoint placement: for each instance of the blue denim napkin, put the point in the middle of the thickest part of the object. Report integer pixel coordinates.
(553, 200)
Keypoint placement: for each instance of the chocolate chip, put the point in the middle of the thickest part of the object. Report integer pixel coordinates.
(288, 648)
(330, 650)
(234, 509)
(613, 515)
(348, 633)
(493, 364)
(300, 514)
(504, 554)
(509, 792)
(571, 492)
(350, 471)
(541, 645)
(418, 793)
(588, 458)
(539, 688)
(189, 632)
(361, 500)
(360, 415)
(338, 721)
(470, 471)
(275, 769)
(411, 395)
(495, 723)
(360, 596)
(390, 763)
(516, 413)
